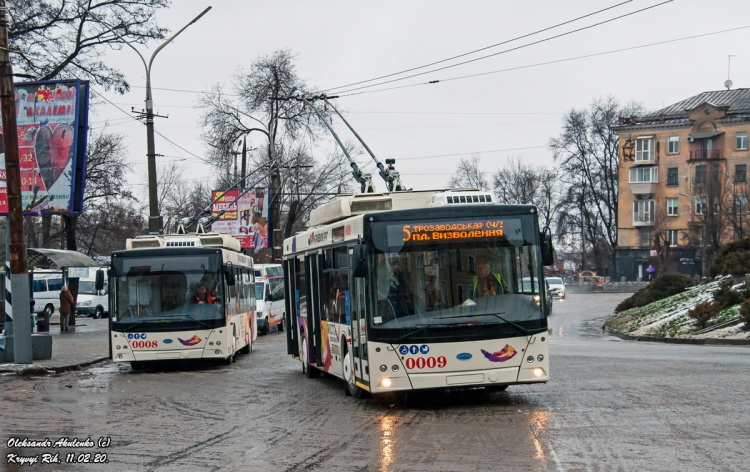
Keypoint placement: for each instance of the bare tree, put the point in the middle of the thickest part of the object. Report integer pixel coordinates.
(468, 175)
(66, 38)
(522, 184)
(587, 150)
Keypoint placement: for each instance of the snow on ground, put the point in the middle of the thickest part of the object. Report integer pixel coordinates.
(669, 317)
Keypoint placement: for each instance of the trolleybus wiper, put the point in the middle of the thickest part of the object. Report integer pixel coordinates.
(421, 328)
(472, 315)
(197, 321)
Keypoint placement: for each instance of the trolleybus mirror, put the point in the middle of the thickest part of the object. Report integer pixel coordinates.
(359, 260)
(99, 282)
(547, 250)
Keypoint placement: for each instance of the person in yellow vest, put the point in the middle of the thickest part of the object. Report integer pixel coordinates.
(486, 282)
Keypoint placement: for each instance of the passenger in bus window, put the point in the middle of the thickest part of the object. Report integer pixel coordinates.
(202, 295)
(486, 282)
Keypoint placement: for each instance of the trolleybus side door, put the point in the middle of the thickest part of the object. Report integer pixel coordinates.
(290, 314)
(358, 287)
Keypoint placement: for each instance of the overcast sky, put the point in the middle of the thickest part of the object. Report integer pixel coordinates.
(505, 106)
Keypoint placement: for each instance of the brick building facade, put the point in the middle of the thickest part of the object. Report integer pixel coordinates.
(683, 183)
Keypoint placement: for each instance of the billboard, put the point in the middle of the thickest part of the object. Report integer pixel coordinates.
(52, 121)
(246, 217)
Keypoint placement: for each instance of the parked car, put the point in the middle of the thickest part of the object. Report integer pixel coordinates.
(92, 302)
(46, 288)
(556, 286)
(269, 297)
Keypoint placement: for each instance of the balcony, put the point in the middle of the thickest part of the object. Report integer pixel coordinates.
(643, 188)
(706, 154)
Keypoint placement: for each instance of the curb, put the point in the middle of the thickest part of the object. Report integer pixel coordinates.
(37, 369)
(710, 341)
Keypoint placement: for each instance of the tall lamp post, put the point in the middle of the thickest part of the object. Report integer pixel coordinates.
(155, 221)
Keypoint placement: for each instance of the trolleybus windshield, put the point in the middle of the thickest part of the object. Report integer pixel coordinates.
(457, 277)
(168, 292)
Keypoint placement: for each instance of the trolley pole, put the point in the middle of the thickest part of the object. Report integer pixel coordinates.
(19, 279)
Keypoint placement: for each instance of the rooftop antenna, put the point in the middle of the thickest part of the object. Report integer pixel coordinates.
(728, 83)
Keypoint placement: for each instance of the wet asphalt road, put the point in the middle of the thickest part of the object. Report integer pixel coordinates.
(611, 405)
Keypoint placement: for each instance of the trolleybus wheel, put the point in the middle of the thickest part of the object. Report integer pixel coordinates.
(264, 329)
(348, 369)
(98, 313)
(281, 323)
(136, 365)
(496, 388)
(309, 371)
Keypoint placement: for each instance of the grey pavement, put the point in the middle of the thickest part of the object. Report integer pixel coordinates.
(86, 343)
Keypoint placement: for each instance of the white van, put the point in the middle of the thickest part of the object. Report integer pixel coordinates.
(92, 302)
(269, 297)
(47, 286)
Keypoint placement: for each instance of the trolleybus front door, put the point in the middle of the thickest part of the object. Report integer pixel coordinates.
(359, 332)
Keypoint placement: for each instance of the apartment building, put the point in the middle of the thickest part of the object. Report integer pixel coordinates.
(683, 183)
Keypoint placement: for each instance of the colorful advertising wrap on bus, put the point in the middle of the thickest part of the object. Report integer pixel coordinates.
(51, 118)
(245, 218)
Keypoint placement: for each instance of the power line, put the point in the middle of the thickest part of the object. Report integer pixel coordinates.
(556, 61)
(504, 51)
(480, 49)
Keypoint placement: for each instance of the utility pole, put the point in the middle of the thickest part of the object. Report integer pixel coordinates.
(20, 316)
(155, 221)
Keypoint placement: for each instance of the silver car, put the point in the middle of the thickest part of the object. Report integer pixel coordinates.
(556, 286)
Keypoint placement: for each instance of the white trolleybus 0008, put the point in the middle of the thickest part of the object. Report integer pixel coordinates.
(180, 297)
(419, 290)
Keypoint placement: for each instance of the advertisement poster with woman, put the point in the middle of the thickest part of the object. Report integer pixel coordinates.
(245, 218)
(51, 150)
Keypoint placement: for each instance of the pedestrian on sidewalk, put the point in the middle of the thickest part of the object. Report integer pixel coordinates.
(66, 307)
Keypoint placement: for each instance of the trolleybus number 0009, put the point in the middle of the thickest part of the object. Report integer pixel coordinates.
(429, 362)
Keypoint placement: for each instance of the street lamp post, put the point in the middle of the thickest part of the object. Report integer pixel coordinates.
(155, 222)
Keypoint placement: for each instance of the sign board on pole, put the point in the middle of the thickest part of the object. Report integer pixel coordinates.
(246, 217)
(52, 120)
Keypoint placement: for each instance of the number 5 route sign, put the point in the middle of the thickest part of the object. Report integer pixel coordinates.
(52, 120)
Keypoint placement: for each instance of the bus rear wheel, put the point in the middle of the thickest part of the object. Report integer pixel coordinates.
(309, 371)
(98, 313)
(264, 329)
(281, 323)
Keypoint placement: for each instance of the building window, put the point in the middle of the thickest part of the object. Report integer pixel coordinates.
(643, 211)
(673, 145)
(741, 140)
(643, 149)
(740, 205)
(671, 206)
(700, 174)
(700, 205)
(672, 176)
(644, 237)
(715, 172)
(644, 174)
(740, 173)
(672, 237)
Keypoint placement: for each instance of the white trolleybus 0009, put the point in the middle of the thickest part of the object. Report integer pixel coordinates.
(181, 297)
(419, 290)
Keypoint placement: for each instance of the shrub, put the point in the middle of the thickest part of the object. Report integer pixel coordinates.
(663, 287)
(726, 296)
(703, 312)
(745, 314)
(732, 258)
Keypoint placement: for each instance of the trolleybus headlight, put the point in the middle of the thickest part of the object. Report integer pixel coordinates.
(385, 382)
(383, 368)
(395, 368)
(218, 343)
(538, 372)
(119, 356)
(540, 357)
(530, 359)
(118, 347)
(217, 352)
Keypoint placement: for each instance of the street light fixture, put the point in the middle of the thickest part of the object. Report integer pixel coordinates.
(155, 221)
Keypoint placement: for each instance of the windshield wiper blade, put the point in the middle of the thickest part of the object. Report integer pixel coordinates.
(206, 325)
(419, 329)
(472, 315)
